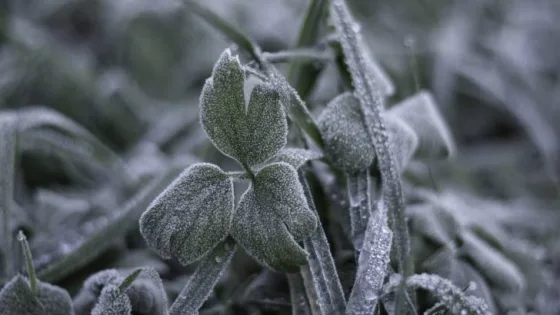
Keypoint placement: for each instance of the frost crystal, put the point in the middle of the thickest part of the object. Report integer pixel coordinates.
(250, 134)
(192, 215)
(296, 157)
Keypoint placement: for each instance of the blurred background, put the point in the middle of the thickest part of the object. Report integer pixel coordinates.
(131, 71)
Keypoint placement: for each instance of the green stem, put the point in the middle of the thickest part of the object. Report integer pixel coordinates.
(301, 55)
(29, 262)
(359, 186)
(325, 284)
(8, 161)
(204, 279)
(303, 76)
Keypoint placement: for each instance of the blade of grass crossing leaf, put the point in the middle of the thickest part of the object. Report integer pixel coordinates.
(371, 101)
(303, 76)
(358, 186)
(372, 265)
(330, 296)
(203, 280)
(298, 297)
(8, 151)
(115, 229)
(230, 31)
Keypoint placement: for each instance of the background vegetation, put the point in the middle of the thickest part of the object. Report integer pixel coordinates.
(130, 73)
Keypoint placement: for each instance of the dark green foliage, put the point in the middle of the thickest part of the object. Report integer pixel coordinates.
(16, 298)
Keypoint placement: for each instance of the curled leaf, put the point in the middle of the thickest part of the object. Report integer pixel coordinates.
(420, 112)
(16, 298)
(272, 215)
(347, 144)
(191, 216)
(250, 134)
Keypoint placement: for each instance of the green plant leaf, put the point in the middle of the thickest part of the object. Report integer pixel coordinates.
(192, 215)
(16, 298)
(252, 134)
(272, 215)
(112, 302)
(296, 157)
(347, 143)
(421, 113)
(403, 141)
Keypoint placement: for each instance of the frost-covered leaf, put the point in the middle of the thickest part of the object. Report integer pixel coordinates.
(434, 222)
(495, 267)
(420, 112)
(250, 134)
(347, 144)
(272, 215)
(453, 297)
(372, 264)
(112, 302)
(403, 142)
(192, 215)
(296, 157)
(144, 291)
(16, 298)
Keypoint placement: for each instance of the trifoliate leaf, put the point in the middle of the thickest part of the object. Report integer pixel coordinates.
(296, 157)
(112, 302)
(347, 144)
(16, 298)
(252, 134)
(192, 215)
(271, 216)
(420, 112)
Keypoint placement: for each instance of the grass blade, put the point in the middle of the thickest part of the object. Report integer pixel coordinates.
(372, 265)
(303, 76)
(327, 286)
(371, 100)
(203, 280)
(102, 239)
(359, 186)
(298, 297)
(8, 155)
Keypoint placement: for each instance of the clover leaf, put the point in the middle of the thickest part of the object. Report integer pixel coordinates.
(192, 215)
(250, 134)
(272, 216)
(17, 298)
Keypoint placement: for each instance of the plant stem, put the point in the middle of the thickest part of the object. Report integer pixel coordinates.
(371, 100)
(28, 262)
(303, 76)
(326, 284)
(298, 297)
(204, 279)
(359, 186)
(300, 55)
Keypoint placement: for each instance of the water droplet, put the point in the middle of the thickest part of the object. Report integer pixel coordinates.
(218, 259)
